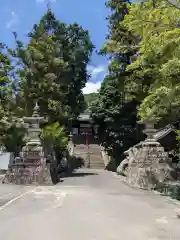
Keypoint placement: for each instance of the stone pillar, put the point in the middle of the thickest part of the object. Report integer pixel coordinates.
(70, 145)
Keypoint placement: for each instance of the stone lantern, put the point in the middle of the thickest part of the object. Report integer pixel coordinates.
(33, 125)
(31, 167)
(150, 131)
(149, 165)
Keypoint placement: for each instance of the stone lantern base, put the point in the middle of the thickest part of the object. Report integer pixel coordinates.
(149, 165)
(31, 169)
(28, 174)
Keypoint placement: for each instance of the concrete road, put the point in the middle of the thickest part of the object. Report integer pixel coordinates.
(90, 205)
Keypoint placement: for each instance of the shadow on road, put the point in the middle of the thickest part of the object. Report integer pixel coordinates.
(61, 180)
(81, 174)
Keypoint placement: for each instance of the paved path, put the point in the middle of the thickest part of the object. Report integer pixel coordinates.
(91, 205)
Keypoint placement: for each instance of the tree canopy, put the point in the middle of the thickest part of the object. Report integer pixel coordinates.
(89, 98)
(143, 48)
(142, 83)
(113, 109)
(49, 70)
(53, 67)
(155, 72)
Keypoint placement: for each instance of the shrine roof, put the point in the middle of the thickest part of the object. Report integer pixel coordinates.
(164, 131)
(84, 117)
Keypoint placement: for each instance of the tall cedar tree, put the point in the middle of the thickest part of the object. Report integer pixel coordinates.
(53, 68)
(115, 114)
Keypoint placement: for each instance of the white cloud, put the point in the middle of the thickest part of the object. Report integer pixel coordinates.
(95, 71)
(97, 75)
(13, 20)
(91, 87)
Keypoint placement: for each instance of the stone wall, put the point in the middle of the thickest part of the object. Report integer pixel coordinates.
(28, 174)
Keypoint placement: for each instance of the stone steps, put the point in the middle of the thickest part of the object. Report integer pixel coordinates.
(94, 165)
(96, 161)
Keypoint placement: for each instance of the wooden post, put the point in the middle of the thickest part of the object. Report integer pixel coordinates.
(87, 144)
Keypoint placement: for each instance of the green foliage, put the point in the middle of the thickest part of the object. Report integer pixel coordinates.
(53, 67)
(13, 138)
(113, 108)
(55, 140)
(50, 70)
(167, 100)
(55, 134)
(6, 84)
(154, 74)
(178, 139)
(89, 98)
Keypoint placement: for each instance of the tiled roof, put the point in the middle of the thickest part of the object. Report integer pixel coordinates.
(164, 132)
(84, 117)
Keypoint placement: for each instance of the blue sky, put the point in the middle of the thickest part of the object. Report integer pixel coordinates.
(20, 15)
